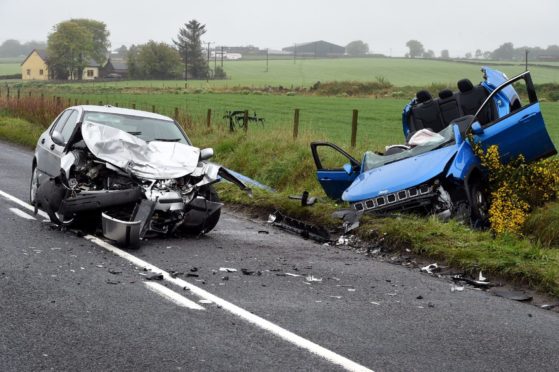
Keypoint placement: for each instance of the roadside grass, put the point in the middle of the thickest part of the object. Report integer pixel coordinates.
(19, 131)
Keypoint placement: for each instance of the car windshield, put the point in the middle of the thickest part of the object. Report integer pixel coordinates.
(148, 129)
(372, 160)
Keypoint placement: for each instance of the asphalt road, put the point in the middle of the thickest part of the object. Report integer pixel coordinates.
(68, 303)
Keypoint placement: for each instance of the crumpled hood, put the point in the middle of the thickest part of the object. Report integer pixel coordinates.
(152, 160)
(399, 175)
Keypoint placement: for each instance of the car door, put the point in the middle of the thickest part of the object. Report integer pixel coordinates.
(48, 152)
(336, 169)
(522, 131)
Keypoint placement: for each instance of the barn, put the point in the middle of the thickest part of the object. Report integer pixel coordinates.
(319, 48)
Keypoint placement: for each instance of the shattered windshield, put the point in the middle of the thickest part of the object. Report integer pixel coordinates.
(372, 160)
(148, 129)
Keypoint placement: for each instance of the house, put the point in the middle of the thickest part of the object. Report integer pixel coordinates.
(319, 48)
(34, 66)
(114, 68)
(91, 71)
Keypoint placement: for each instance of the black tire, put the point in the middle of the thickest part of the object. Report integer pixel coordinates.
(210, 194)
(479, 205)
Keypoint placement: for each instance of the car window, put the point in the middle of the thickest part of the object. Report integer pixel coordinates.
(70, 125)
(148, 129)
(61, 121)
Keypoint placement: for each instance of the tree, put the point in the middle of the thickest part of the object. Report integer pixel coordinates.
(478, 54)
(416, 48)
(468, 55)
(429, 54)
(189, 44)
(73, 43)
(154, 61)
(504, 52)
(445, 54)
(122, 52)
(357, 48)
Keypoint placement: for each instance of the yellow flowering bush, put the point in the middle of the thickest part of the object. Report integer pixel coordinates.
(517, 187)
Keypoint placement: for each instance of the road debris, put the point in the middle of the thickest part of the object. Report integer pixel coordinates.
(306, 230)
(251, 272)
(154, 276)
(311, 278)
(456, 288)
(512, 295)
(305, 199)
(114, 271)
(430, 269)
(227, 269)
(110, 281)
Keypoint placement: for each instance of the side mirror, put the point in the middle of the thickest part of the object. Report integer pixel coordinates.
(206, 153)
(476, 128)
(57, 138)
(348, 169)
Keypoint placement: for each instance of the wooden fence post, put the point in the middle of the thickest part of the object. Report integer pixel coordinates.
(296, 123)
(245, 120)
(18, 93)
(116, 104)
(69, 102)
(29, 93)
(100, 103)
(75, 102)
(176, 113)
(152, 108)
(8, 93)
(87, 102)
(134, 106)
(354, 128)
(209, 118)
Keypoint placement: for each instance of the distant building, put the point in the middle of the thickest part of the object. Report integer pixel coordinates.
(91, 71)
(34, 66)
(319, 48)
(115, 68)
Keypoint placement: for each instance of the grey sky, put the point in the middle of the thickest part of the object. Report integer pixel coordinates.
(459, 26)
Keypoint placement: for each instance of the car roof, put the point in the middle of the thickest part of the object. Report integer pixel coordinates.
(123, 111)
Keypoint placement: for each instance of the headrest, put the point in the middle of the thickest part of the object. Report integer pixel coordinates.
(423, 96)
(445, 93)
(465, 85)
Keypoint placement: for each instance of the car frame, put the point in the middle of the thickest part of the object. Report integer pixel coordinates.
(107, 165)
(444, 177)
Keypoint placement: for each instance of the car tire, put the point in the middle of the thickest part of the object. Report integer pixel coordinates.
(33, 185)
(210, 194)
(479, 205)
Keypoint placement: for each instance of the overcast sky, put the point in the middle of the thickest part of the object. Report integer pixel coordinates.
(459, 26)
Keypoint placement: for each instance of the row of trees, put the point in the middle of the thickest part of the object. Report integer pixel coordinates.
(505, 52)
(14, 49)
(75, 43)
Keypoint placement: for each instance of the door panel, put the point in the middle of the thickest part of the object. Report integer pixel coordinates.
(330, 161)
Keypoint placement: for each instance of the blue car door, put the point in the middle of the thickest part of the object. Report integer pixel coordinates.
(521, 131)
(335, 171)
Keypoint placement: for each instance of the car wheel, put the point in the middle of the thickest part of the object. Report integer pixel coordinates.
(33, 186)
(60, 219)
(479, 205)
(210, 194)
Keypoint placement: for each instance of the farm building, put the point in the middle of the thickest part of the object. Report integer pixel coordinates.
(114, 68)
(319, 48)
(34, 66)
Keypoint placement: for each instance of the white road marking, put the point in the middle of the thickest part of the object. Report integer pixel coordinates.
(22, 214)
(172, 296)
(225, 305)
(22, 203)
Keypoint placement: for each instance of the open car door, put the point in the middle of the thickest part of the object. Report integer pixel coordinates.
(336, 169)
(522, 131)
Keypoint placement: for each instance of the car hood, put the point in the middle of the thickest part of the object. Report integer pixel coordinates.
(151, 160)
(399, 175)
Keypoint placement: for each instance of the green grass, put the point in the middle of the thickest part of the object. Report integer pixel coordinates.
(19, 131)
(306, 72)
(9, 68)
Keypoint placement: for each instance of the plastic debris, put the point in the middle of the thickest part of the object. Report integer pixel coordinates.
(311, 278)
(430, 269)
(154, 276)
(305, 199)
(227, 269)
(456, 288)
(512, 295)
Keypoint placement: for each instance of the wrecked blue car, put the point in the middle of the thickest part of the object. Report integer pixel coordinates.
(436, 170)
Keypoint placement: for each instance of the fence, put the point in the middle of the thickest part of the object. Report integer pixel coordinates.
(58, 103)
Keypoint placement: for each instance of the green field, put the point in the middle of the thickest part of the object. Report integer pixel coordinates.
(306, 72)
(9, 67)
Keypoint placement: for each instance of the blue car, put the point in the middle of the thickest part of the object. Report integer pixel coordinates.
(436, 170)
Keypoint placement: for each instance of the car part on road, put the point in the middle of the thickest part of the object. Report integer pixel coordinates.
(301, 228)
(512, 295)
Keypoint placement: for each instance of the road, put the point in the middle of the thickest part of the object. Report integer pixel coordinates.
(70, 302)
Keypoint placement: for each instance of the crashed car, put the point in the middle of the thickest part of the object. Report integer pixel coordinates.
(134, 172)
(436, 170)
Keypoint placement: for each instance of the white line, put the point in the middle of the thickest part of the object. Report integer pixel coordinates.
(22, 214)
(172, 296)
(22, 203)
(225, 305)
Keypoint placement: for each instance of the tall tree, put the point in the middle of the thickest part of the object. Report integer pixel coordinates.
(445, 54)
(154, 61)
(504, 52)
(189, 43)
(416, 48)
(73, 43)
(357, 48)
